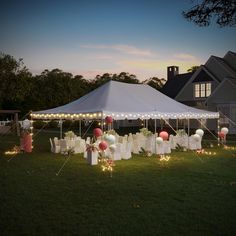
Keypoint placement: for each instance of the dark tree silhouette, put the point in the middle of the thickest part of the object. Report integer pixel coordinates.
(193, 69)
(155, 82)
(223, 11)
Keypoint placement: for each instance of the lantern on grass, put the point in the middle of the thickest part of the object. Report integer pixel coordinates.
(103, 145)
(197, 137)
(224, 130)
(109, 119)
(110, 138)
(164, 135)
(200, 132)
(159, 140)
(97, 132)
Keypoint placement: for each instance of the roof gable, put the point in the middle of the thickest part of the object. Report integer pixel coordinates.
(172, 87)
(219, 68)
(194, 76)
(221, 90)
(203, 76)
(230, 58)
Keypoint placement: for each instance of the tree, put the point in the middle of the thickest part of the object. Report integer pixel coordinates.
(15, 82)
(155, 82)
(193, 69)
(224, 11)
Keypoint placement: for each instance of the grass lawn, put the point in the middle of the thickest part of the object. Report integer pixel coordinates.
(185, 196)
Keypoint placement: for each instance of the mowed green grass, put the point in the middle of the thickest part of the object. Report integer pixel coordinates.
(186, 196)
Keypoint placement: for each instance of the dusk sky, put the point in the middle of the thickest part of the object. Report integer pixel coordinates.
(90, 37)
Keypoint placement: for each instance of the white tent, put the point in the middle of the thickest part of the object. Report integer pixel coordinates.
(124, 101)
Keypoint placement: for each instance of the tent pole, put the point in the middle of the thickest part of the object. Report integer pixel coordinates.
(177, 124)
(155, 122)
(102, 122)
(218, 131)
(80, 127)
(188, 133)
(60, 128)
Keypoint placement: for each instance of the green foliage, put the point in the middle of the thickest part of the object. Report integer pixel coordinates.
(67, 124)
(52, 124)
(38, 124)
(155, 82)
(193, 69)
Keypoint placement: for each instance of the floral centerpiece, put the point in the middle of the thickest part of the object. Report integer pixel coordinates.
(70, 134)
(181, 132)
(145, 132)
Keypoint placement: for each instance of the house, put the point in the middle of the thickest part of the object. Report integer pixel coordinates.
(212, 87)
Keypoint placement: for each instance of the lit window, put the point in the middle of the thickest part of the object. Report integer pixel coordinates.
(202, 90)
(208, 89)
(197, 90)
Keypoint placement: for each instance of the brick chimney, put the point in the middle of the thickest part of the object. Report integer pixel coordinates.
(172, 71)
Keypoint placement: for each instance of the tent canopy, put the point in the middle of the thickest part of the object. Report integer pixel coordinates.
(124, 101)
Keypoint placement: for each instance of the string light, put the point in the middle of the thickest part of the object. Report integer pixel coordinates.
(164, 158)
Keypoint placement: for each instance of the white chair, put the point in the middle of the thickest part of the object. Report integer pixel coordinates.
(160, 148)
(117, 152)
(127, 151)
(64, 147)
(166, 147)
(55, 147)
(172, 141)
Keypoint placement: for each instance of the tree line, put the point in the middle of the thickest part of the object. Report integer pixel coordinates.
(21, 90)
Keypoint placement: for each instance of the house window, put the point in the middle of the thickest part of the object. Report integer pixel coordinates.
(202, 90)
(208, 89)
(197, 90)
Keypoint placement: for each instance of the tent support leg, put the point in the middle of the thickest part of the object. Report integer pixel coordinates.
(60, 128)
(188, 132)
(177, 124)
(218, 131)
(155, 123)
(80, 128)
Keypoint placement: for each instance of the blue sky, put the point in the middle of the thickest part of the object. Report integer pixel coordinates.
(91, 37)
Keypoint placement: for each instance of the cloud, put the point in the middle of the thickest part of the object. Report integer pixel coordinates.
(184, 56)
(126, 49)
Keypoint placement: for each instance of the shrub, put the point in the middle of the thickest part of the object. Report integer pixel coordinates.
(38, 124)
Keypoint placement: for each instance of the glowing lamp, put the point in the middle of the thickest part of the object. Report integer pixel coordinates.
(109, 119)
(112, 148)
(103, 145)
(221, 135)
(224, 130)
(110, 138)
(97, 132)
(200, 132)
(197, 137)
(164, 135)
(159, 140)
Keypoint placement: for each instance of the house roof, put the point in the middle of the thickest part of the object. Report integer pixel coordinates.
(232, 83)
(173, 86)
(220, 68)
(124, 101)
(215, 68)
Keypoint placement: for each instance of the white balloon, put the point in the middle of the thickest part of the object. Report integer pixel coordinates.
(225, 130)
(112, 148)
(159, 140)
(197, 137)
(111, 139)
(200, 132)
